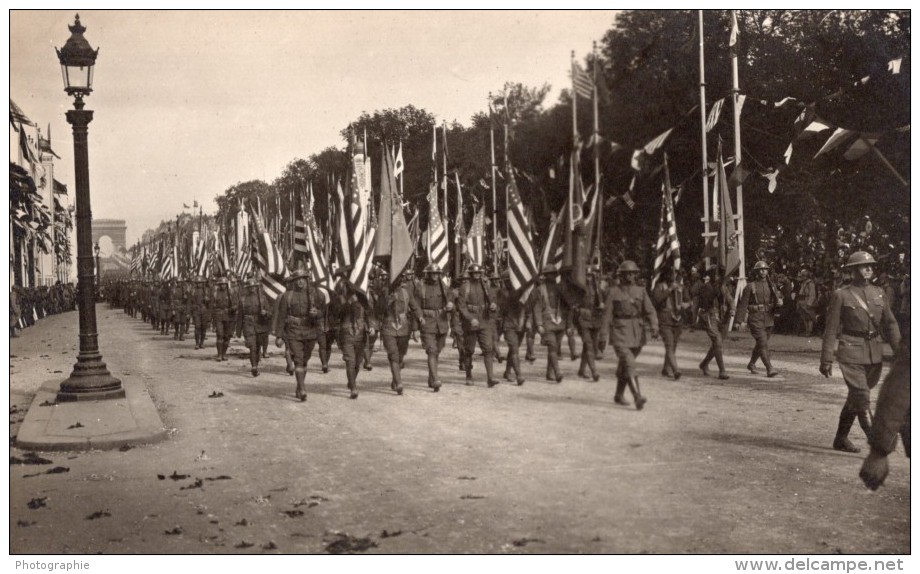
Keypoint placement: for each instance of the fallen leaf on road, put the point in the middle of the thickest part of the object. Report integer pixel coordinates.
(125, 447)
(346, 544)
(221, 477)
(77, 425)
(24, 523)
(202, 456)
(47, 403)
(37, 503)
(471, 497)
(197, 484)
(244, 544)
(242, 522)
(98, 514)
(55, 470)
(57, 371)
(270, 546)
(217, 395)
(466, 478)
(174, 531)
(525, 541)
(29, 458)
(386, 534)
(293, 513)
(176, 476)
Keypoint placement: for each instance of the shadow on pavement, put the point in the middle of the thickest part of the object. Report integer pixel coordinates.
(772, 442)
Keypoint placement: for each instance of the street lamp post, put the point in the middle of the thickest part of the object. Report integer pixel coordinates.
(90, 379)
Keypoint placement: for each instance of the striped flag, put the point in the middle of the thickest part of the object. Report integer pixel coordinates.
(300, 231)
(582, 82)
(475, 239)
(244, 263)
(321, 274)
(714, 114)
(343, 248)
(555, 243)
(359, 277)
(668, 246)
(439, 252)
(522, 265)
(222, 259)
(414, 231)
(136, 263)
(265, 254)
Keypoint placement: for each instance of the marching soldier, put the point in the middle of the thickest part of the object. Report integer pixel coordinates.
(164, 299)
(856, 318)
(254, 319)
(179, 308)
(478, 310)
(432, 305)
(628, 308)
(199, 299)
(513, 320)
(355, 322)
(456, 321)
(591, 324)
(553, 319)
(299, 323)
(715, 307)
(671, 299)
(375, 294)
(805, 300)
(530, 323)
(758, 302)
(223, 314)
(412, 285)
(496, 285)
(393, 308)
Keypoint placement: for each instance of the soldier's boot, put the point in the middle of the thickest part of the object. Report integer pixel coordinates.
(865, 422)
(396, 385)
(841, 442)
(468, 367)
(515, 361)
(220, 347)
(433, 382)
(225, 347)
(265, 348)
(182, 332)
(530, 357)
(491, 382)
(572, 351)
(583, 366)
(289, 359)
(620, 391)
(755, 354)
(720, 361)
(300, 373)
(462, 361)
(592, 364)
(324, 357)
(254, 361)
(771, 372)
(704, 364)
(556, 369)
(351, 373)
(633, 383)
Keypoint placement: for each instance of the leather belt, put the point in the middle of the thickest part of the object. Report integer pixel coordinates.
(757, 307)
(868, 335)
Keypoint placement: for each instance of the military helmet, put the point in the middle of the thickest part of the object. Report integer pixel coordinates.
(432, 268)
(300, 272)
(761, 265)
(474, 268)
(253, 279)
(222, 281)
(860, 258)
(628, 266)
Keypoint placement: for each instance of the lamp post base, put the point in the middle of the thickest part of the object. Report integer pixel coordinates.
(90, 381)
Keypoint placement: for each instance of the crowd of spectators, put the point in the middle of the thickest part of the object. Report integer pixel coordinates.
(28, 305)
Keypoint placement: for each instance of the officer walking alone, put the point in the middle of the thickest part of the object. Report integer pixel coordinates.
(758, 302)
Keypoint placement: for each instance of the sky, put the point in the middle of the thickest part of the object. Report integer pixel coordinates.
(189, 103)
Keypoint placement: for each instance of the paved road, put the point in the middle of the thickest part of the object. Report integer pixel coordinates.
(738, 466)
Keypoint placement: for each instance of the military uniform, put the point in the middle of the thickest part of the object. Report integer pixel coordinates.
(591, 325)
(199, 299)
(715, 306)
(857, 317)
(432, 305)
(254, 321)
(478, 312)
(223, 314)
(553, 317)
(354, 322)
(178, 309)
(670, 300)
(164, 299)
(300, 324)
(805, 300)
(395, 321)
(513, 315)
(629, 308)
(759, 301)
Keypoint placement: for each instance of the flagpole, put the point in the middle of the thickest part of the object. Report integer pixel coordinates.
(574, 139)
(742, 276)
(494, 207)
(507, 164)
(444, 175)
(707, 235)
(599, 207)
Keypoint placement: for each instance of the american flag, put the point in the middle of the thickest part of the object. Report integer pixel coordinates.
(582, 82)
(222, 259)
(300, 232)
(555, 243)
(201, 257)
(522, 265)
(359, 277)
(356, 211)
(439, 253)
(475, 239)
(265, 254)
(343, 254)
(714, 114)
(320, 270)
(668, 246)
(243, 263)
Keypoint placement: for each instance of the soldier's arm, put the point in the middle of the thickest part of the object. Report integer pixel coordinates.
(831, 328)
(648, 309)
(415, 308)
(891, 327)
(743, 303)
(462, 307)
(279, 313)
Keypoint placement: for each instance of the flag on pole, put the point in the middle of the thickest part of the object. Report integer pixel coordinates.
(343, 248)
(475, 239)
(582, 82)
(554, 246)
(522, 265)
(733, 37)
(574, 254)
(399, 165)
(714, 114)
(359, 277)
(729, 257)
(668, 246)
(266, 256)
(319, 268)
(300, 227)
(437, 232)
(414, 230)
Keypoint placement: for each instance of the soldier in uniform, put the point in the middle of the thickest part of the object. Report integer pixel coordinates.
(199, 299)
(671, 299)
(179, 308)
(478, 310)
(530, 323)
(553, 318)
(375, 293)
(715, 307)
(591, 325)
(164, 301)
(223, 314)
(394, 308)
(299, 323)
(856, 318)
(628, 308)
(254, 319)
(805, 301)
(456, 322)
(412, 285)
(432, 305)
(759, 301)
(355, 322)
(513, 315)
(496, 285)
